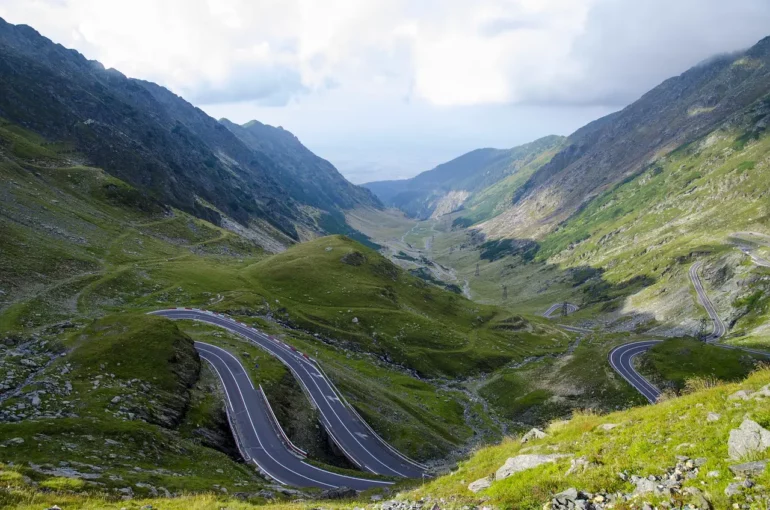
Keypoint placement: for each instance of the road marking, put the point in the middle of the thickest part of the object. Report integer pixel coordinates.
(353, 436)
(283, 352)
(243, 399)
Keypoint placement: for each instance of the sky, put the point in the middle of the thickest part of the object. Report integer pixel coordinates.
(386, 89)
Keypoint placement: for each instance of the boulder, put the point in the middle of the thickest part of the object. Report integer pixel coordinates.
(711, 417)
(480, 484)
(608, 426)
(739, 395)
(534, 433)
(749, 468)
(523, 462)
(748, 439)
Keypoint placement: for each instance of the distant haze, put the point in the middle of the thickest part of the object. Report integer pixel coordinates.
(388, 88)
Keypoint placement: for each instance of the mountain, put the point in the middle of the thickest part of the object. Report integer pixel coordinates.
(314, 180)
(621, 145)
(449, 185)
(153, 139)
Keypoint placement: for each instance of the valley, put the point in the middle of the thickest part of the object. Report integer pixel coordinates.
(196, 313)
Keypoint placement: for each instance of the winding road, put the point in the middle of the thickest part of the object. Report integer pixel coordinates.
(570, 308)
(622, 361)
(621, 358)
(257, 436)
(719, 328)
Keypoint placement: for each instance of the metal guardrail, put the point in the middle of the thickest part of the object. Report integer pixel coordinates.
(366, 424)
(277, 425)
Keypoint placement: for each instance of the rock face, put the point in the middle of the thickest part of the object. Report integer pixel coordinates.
(480, 484)
(610, 149)
(748, 439)
(523, 462)
(163, 134)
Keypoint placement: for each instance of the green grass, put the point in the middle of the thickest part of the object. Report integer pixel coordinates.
(130, 378)
(99, 250)
(676, 361)
(646, 442)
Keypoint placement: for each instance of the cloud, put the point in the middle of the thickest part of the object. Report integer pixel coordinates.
(265, 85)
(448, 53)
(431, 78)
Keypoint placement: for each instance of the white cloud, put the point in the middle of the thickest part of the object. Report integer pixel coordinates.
(418, 73)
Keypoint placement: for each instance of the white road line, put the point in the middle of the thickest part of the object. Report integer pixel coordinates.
(255, 428)
(352, 435)
(229, 402)
(269, 344)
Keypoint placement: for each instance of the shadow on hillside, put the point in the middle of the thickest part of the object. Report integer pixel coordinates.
(588, 283)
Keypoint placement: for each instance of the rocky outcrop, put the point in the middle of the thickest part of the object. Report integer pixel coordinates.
(533, 433)
(750, 438)
(480, 484)
(523, 462)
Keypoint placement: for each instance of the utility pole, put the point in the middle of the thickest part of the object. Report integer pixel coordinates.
(477, 269)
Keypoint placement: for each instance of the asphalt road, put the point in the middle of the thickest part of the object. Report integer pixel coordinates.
(354, 437)
(259, 441)
(621, 359)
(719, 328)
(558, 307)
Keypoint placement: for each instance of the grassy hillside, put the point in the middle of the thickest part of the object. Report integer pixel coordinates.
(607, 449)
(79, 245)
(605, 153)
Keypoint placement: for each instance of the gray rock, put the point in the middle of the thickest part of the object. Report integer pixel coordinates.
(711, 417)
(480, 484)
(733, 490)
(698, 498)
(740, 395)
(523, 462)
(570, 494)
(748, 439)
(115, 399)
(643, 486)
(763, 392)
(534, 433)
(713, 474)
(579, 465)
(608, 426)
(749, 468)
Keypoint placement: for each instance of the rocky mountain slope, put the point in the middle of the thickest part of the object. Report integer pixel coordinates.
(619, 146)
(449, 185)
(313, 180)
(151, 138)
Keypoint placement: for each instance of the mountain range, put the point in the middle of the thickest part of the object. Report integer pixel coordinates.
(138, 131)
(594, 158)
(645, 232)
